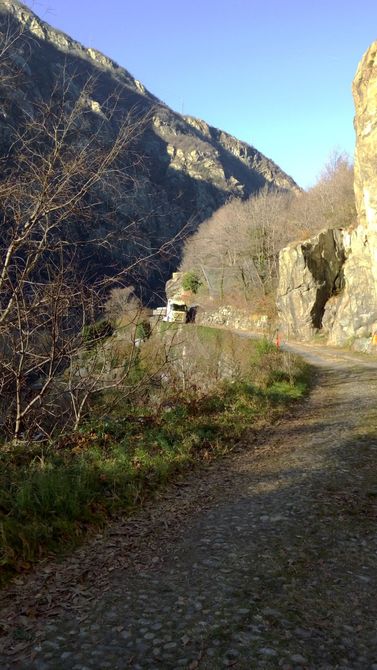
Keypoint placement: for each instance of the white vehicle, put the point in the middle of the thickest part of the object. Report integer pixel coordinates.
(160, 312)
(176, 311)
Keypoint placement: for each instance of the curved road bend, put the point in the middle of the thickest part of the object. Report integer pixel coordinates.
(277, 570)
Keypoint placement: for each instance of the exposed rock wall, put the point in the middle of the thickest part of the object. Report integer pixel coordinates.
(308, 299)
(311, 272)
(365, 96)
(235, 319)
(355, 315)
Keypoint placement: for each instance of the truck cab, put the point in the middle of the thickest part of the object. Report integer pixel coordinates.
(176, 311)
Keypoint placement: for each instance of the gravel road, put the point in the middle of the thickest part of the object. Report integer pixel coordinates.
(274, 566)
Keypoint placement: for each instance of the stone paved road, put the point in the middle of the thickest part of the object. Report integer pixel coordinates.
(278, 571)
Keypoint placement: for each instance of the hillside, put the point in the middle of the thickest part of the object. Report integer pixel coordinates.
(185, 168)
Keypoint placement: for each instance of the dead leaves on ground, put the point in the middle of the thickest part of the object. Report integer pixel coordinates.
(55, 586)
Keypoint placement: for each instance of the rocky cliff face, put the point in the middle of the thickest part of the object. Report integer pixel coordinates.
(365, 97)
(329, 284)
(311, 273)
(187, 169)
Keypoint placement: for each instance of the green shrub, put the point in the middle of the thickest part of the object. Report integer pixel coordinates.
(265, 346)
(191, 282)
(99, 330)
(143, 330)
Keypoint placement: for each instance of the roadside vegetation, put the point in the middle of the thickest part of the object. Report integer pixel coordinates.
(197, 393)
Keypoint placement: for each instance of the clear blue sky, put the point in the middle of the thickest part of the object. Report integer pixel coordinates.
(276, 74)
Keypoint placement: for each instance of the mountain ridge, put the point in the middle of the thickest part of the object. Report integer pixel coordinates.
(190, 168)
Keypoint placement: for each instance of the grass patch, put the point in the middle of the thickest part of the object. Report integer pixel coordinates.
(51, 495)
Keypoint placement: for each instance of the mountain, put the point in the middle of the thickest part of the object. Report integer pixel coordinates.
(185, 170)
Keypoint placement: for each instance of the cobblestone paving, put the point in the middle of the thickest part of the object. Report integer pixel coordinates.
(280, 571)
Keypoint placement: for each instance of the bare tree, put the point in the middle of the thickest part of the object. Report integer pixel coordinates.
(69, 165)
(235, 252)
(332, 199)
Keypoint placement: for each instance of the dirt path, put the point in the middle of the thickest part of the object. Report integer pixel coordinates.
(267, 560)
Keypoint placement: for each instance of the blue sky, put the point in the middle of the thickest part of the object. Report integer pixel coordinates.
(275, 74)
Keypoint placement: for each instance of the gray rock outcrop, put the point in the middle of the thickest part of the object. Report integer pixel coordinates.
(311, 272)
(173, 287)
(356, 316)
(329, 284)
